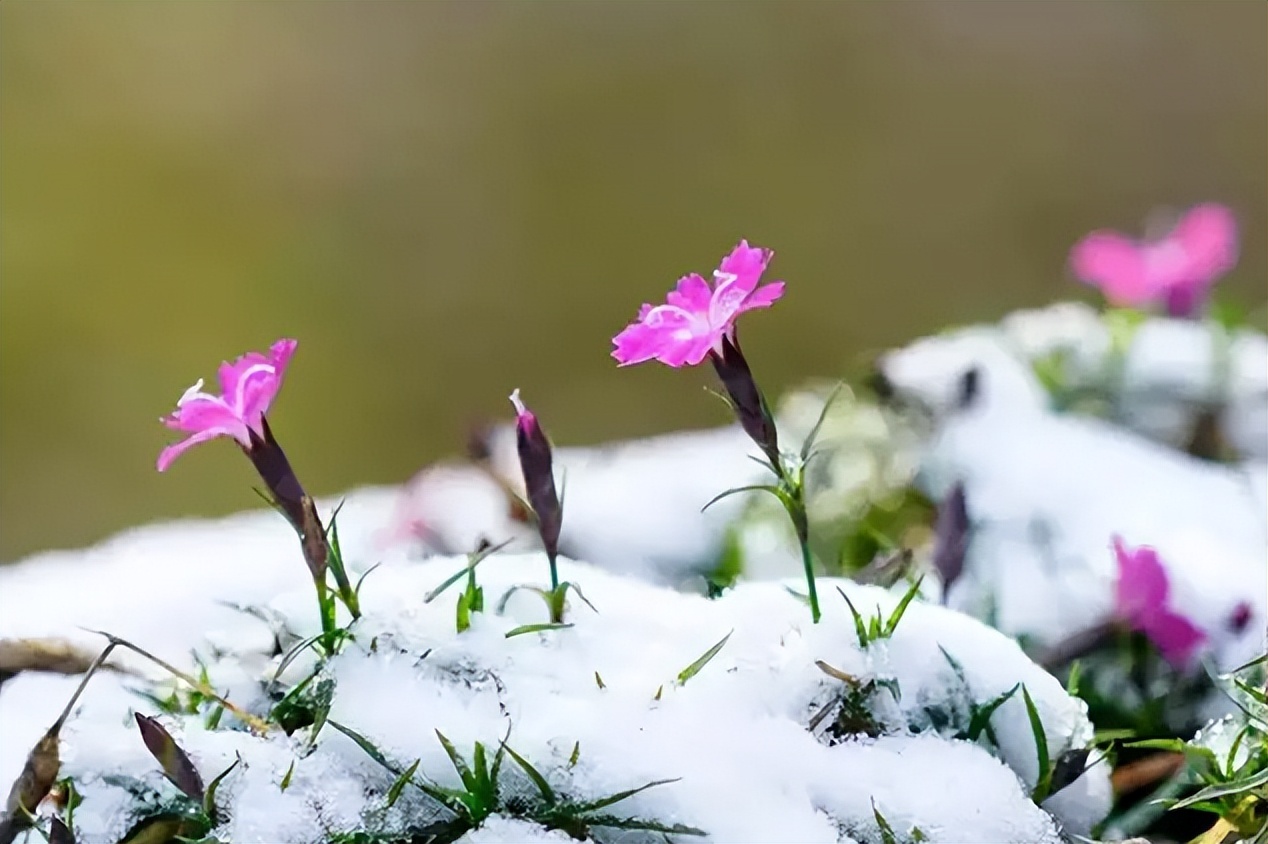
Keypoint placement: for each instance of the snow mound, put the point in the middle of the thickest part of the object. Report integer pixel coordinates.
(601, 708)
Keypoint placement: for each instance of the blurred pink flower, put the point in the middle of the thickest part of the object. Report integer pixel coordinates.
(695, 317)
(1177, 269)
(1141, 602)
(249, 385)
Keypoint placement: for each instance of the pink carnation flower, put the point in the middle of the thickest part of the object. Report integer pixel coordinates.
(1177, 269)
(1141, 601)
(249, 385)
(696, 317)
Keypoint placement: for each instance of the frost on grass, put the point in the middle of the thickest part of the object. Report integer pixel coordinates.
(596, 710)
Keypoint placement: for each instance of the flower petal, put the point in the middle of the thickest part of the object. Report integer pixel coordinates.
(1207, 234)
(1141, 591)
(746, 264)
(1116, 265)
(693, 295)
(763, 297)
(1176, 638)
(198, 411)
(167, 455)
(252, 382)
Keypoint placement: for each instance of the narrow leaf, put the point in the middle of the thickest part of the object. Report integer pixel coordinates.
(823, 415)
(887, 831)
(603, 802)
(1212, 792)
(286, 777)
(535, 628)
(547, 793)
(1041, 747)
(859, 629)
(897, 615)
(694, 669)
(394, 793)
(773, 490)
(460, 765)
(209, 799)
(980, 720)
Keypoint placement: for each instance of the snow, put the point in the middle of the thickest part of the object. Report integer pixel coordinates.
(735, 734)
(636, 505)
(1047, 493)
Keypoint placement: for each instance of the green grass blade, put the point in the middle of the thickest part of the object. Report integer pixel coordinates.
(1041, 747)
(394, 793)
(694, 669)
(897, 615)
(547, 793)
(604, 802)
(535, 628)
(860, 630)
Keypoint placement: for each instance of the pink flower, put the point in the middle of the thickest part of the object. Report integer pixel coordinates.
(1177, 269)
(249, 385)
(696, 317)
(1141, 602)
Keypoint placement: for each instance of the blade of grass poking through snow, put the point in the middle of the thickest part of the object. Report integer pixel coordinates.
(535, 628)
(860, 629)
(980, 717)
(286, 777)
(887, 831)
(256, 724)
(394, 793)
(694, 669)
(366, 746)
(1041, 748)
(209, 799)
(42, 766)
(175, 763)
(473, 560)
(459, 764)
(823, 415)
(543, 787)
(897, 615)
(604, 802)
(337, 567)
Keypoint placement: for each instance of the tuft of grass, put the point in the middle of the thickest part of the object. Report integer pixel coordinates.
(879, 627)
(482, 795)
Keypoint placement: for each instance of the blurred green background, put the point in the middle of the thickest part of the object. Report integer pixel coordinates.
(446, 200)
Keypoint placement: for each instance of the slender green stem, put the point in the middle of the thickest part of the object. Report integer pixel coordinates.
(797, 512)
(554, 574)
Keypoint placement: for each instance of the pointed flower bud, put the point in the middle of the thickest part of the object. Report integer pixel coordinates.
(750, 406)
(539, 477)
(951, 537)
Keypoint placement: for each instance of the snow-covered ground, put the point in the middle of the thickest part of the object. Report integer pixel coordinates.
(736, 735)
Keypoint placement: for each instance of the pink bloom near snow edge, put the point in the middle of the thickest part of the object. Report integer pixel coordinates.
(1141, 600)
(248, 386)
(1177, 270)
(696, 317)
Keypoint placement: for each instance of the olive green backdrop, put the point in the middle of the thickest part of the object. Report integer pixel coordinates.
(444, 201)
